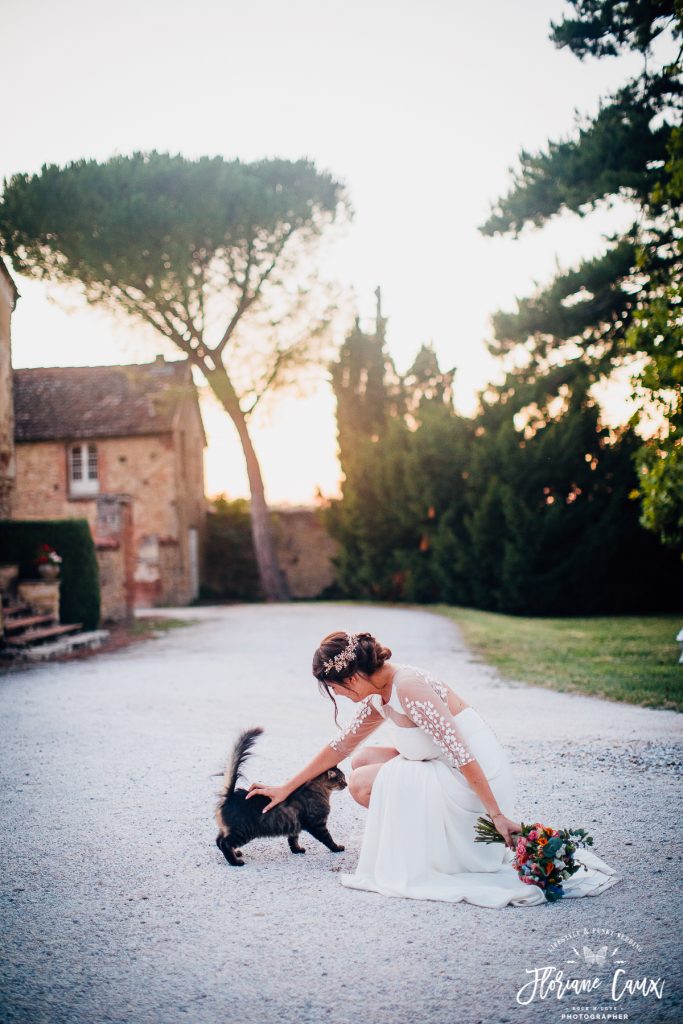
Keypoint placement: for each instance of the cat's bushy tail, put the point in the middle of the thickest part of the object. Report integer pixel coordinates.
(241, 751)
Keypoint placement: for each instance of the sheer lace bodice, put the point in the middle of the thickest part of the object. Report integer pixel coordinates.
(424, 727)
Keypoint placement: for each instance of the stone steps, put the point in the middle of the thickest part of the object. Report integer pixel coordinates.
(9, 610)
(31, 636)
(25, 622)
(41, 652)
(34, 634)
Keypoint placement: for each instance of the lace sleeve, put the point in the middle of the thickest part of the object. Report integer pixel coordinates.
(425, 702)
(365, 721)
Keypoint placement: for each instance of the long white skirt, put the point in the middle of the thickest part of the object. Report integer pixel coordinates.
(419, 834)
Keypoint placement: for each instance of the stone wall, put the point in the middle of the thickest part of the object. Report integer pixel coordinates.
(305, 551)
(113, 589)
(41, 595)
(114, 545)
(141, 467)
(188, 449)
(174, 583)
(8, 296)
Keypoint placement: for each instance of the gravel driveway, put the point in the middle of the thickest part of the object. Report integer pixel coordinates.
(117, 906)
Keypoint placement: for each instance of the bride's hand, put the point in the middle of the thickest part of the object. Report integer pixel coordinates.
(506, 827)
(276, 794)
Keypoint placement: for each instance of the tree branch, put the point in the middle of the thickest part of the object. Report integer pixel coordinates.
(269, 380)
(242, 305)
(245, 302)
(280, 359)
(165, 327)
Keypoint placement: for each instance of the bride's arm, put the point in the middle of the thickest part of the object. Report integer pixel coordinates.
(324, 759)
(431, 714)
(479, 783)
(365, 721)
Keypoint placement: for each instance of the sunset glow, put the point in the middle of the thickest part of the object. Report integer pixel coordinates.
(421, 111)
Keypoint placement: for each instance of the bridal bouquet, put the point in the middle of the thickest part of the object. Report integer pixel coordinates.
(544, 856)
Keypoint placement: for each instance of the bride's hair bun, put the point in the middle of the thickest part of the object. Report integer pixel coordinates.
(371, 654)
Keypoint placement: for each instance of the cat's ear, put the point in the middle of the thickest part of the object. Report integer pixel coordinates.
(331, 773)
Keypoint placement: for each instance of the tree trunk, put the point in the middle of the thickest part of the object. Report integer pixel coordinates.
(273, 580)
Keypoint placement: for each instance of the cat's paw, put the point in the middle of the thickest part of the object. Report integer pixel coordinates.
(338, 849)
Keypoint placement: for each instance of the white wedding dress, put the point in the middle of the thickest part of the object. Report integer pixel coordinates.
(419, 840)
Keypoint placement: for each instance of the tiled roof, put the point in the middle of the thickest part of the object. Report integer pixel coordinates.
(62, 402)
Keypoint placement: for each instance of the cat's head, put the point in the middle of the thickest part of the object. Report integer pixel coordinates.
(334, 778)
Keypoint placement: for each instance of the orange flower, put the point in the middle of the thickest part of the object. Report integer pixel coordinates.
(542, 841)
(549, 867)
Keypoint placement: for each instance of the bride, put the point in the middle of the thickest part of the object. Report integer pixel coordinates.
(424, 794)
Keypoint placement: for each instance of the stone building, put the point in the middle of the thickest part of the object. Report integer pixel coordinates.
(8, 300)
(121, 446)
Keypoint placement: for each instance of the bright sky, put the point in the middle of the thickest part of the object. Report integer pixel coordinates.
(419, 106)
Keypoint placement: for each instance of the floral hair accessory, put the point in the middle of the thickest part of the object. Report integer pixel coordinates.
(341, 660)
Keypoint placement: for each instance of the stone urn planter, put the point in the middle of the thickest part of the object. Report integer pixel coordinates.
(48, 571)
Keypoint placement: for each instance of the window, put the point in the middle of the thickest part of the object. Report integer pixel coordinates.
(83, 477)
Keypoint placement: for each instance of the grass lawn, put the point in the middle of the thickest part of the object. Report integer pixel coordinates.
(148, 624)
(625, 658)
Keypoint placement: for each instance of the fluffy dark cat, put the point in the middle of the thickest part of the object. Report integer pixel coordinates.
(240, 820)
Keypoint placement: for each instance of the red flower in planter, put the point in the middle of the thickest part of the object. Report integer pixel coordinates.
(47, 556)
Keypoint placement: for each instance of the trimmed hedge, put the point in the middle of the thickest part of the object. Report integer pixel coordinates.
(230, 569)
(79, 573)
